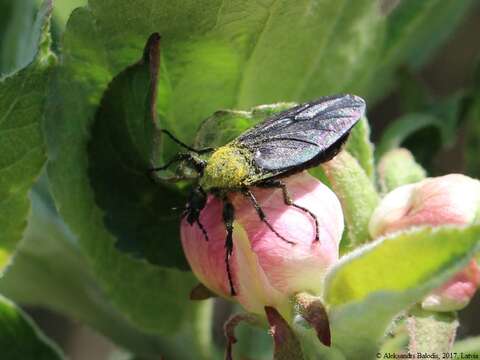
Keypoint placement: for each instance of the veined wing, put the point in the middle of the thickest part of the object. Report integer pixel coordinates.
(302, 134)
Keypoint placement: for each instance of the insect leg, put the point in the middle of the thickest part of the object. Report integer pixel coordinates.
(275, 183)
(182, 144)
(261, 214)
(228, 217)
(204, 231)
(195, 204)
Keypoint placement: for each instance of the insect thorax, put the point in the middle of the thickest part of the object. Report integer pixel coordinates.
(227, 168)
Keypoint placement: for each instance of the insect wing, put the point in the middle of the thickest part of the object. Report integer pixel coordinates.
(303, 133)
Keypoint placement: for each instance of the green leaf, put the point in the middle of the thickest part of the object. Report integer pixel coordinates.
(96, 216)
(398, 167)
(18, 36)
(246, 45)
(339, 37)
(64, 8)
(356, 193)
(361, 148)
(358, 274)
(233, 40)
(20, 338)
(374, 283)
(22, 102)
(189, 47)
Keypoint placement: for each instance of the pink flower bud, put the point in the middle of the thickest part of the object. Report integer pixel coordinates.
(447, 200)
(267, 270)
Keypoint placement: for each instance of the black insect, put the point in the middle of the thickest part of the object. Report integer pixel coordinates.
(284, 144)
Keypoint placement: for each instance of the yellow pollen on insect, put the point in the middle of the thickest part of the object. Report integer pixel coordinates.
(227, 168)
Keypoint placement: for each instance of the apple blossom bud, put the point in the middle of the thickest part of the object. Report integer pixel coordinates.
(266, 270)
(447, 200)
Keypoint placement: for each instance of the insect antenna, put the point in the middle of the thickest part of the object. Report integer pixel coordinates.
(176, 158)
(182, 144)
(198, 165)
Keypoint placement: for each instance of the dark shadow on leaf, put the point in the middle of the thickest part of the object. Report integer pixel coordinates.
(137, 211)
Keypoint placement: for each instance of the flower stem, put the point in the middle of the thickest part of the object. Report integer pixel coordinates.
(431, 332)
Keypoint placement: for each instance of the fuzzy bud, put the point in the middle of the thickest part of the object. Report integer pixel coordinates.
(266, 270)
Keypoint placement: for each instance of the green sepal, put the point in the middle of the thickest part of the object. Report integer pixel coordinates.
(361, 148)
(356, 193)
(225, 125)
(398, 167)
